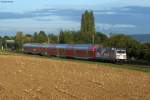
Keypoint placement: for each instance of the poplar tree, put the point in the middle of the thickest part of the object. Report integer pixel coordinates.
(88, 23)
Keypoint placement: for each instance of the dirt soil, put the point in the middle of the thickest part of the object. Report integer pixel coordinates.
(33, 78)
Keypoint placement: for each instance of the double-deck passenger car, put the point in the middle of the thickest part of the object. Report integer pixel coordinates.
(82, 51)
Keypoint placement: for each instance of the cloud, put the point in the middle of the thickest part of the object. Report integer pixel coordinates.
(30, 26)
(125, 19)
(125, 3)
(75, 14)
(6, 1)
(106, 26)
(13, 15)
(105, 12)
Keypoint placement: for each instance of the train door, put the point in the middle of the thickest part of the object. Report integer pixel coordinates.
(61, 50)
(92, 53)
(81, 51)
(51, 50)
(70, 51)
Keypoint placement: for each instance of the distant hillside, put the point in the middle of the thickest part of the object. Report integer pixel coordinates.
(142, 37)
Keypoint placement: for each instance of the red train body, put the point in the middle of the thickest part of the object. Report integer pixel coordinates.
(82, 51)
(62, 50)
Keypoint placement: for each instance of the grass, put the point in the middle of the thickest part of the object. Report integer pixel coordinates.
(129, 66)
(107, 64)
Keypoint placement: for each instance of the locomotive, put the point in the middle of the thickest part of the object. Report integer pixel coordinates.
(81, 51)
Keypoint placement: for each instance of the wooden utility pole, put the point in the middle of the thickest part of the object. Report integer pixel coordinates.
(58, 39)
(6, 45)
(48, 39)
(93, 39)
(1, 44)
(2, 48)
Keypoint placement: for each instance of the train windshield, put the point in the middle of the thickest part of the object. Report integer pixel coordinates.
(121, 51)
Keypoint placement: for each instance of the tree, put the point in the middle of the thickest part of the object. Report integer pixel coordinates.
(100, 38)
(68, 36)
(61, 37)
(93, 29)
(1, 43)
(28, 38)
(42, 37)
(88, 26)
(19, 39)
(19, 36)
(124, 41)
(145, 51)
(80, 38)
(53, 38)
(35, 36)
(82, 29)
(88, 23)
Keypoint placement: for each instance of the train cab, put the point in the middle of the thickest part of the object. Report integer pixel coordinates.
(120, 54)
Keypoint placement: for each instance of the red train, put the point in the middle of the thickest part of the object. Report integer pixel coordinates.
(82, 51)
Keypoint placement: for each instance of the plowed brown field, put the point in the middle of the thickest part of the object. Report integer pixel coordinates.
(32, 78)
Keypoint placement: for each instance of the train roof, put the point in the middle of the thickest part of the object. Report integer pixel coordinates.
(75, 46)
(84, 46)
(35, 45)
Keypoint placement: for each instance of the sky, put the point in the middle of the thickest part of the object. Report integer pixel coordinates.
(51, 16)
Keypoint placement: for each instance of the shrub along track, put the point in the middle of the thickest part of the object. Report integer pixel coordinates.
(33, 78)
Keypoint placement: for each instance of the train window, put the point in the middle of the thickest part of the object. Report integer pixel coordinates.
(121, 51)
(98, 50)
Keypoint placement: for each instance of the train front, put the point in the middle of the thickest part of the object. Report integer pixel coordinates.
(120, 55)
